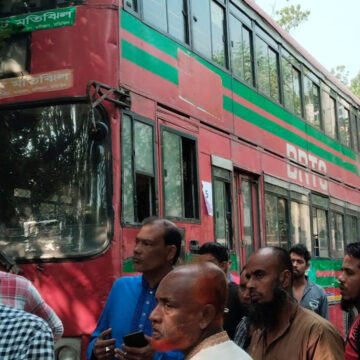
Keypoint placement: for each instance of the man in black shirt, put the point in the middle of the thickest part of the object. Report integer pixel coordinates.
(234, 311)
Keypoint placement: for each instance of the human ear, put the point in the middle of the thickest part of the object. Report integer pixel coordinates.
(207, 315)
(285, 279)
(171, 252)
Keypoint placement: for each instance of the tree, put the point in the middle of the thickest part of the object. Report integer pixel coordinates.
(291, 16)
(341, 73)
(355, 85)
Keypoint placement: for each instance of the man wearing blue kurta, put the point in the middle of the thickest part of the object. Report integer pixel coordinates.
(132, 299)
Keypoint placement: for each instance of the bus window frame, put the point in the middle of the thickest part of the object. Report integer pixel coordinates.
(195, 220)
(109, 179)
(229, 182)
(135, 117)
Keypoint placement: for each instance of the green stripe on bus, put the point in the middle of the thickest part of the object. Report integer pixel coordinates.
(274, 109)
(137, 28)
(285, 134)
(327, 282)
(170, 47)
(149, 62)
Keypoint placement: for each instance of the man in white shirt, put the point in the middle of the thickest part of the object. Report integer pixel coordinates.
(189, 314)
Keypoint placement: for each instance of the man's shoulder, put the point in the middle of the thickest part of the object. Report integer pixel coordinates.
(128, 280)
(315, 321)
(227, 350)
(316, 288)
(11, 316)
(127, 283)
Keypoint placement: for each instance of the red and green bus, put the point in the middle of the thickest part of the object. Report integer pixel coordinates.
(201, 111)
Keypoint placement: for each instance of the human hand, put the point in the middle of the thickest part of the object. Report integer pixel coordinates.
(132, 353)
(103, 348)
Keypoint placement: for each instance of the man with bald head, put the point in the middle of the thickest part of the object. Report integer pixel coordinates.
(189, 314)
(284, 330)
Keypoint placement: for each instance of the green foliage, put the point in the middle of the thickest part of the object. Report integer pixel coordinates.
(291, 16)
(355, 85)
(341, 73)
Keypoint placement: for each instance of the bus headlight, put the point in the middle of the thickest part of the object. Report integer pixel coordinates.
(68, 348)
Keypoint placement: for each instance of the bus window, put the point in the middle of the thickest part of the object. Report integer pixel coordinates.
(276, 213)
(218, 34)
(354, 132)
(241, 51)
(337, 235)
(249, 215)
(320, 232)
(300, 224)
(351, 229)
(358, 130)
(312, 102)
(155, 12)
(267, 69)
(329, 110)
(54, 183)
(223, 207)
(344, 122)
(291, 84)
(138, 170)
(180, 181)
(14, 56)
(208, 29)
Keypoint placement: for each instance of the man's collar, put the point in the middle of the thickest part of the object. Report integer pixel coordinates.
(212, 340)
(146, 285)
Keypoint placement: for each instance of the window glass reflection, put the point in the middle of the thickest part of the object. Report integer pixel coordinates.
(53, 183)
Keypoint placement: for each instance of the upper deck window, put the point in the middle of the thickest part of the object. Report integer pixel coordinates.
(241, 50)
(291, 83)
(15, 7)
(267, 65)
(354, 132)
(208, 29)
(167, 15)
(312, 99)
(329, 110)
(344, 122)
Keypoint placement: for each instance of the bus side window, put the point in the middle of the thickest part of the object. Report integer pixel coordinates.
(138, 170)
(180, 179)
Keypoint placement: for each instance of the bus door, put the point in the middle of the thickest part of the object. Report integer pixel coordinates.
(247, 190)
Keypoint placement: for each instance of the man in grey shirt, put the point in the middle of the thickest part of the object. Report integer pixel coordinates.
(308, 294)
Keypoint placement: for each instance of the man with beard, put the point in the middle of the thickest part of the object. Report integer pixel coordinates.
(189, 314)
(350, 297)
(132, 298)
(308, 294)
(284, 330)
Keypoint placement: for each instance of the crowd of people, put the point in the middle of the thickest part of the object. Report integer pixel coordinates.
(196, 311)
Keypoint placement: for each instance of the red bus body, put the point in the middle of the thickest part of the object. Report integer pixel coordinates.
(173, 87)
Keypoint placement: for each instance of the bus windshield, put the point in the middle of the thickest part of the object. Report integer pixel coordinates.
(53, 183)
